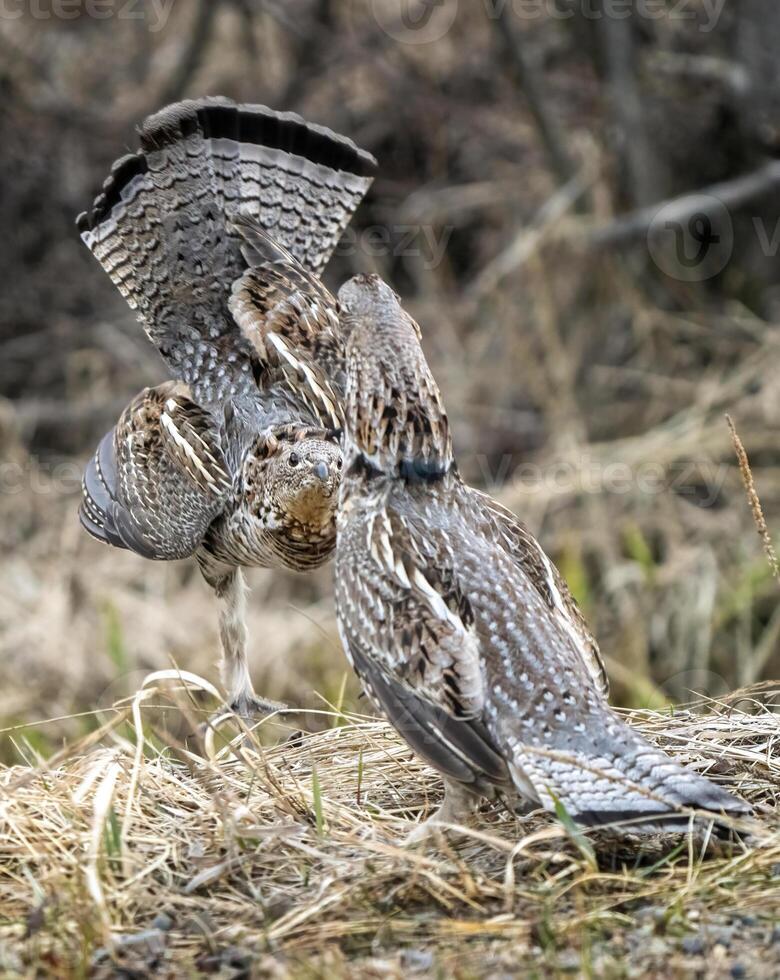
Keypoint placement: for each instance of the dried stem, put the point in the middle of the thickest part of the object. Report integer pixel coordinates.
(753, 499)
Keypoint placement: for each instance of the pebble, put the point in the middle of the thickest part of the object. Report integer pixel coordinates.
(569, 962)
(660, 917)
(722, 937)
(163, 922)
(692, 946)
(230, 958)
(417, 959)
(152, 939)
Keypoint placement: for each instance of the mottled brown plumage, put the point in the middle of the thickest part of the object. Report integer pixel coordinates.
(457, 622)
(215, 232)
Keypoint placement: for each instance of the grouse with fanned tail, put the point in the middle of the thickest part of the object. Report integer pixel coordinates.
(457, 622)
(237, 460)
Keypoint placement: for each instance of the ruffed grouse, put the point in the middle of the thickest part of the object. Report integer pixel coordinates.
(457, 622)
(236, 461)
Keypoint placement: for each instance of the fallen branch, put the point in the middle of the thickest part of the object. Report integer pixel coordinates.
(730, 194)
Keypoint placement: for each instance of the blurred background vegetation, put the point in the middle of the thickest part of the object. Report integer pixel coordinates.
(588, 341)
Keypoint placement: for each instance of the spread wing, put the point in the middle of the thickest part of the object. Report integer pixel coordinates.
(500, 524)
(291, 321)
(158, 478)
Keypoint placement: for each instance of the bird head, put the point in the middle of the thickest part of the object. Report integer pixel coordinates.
(291, 483)
(395, 420)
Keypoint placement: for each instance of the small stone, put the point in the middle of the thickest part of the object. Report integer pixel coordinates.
(230, 958)
(660, 917)
(151, 939)
(569, 962)
(417, 960)
(738, 971)
(163, 922)
(722, 937)
(692, 946)
(775, 937)
(237, 957)
(656, 947)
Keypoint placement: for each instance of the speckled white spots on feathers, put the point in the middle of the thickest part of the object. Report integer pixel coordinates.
(457, 621)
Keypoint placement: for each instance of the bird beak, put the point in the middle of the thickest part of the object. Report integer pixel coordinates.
(320, 470)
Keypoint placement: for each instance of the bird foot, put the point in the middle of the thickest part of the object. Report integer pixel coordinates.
(252, 708)
(429, 829)
(424, 832)
(248, 707)
(459, 807)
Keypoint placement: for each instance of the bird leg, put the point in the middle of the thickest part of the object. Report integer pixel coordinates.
(230, 589)
(458, 807)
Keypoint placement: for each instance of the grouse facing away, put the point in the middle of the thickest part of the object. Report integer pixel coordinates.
(236, 461)
(457, 622)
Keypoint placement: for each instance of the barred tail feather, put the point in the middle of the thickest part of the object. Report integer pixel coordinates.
(637, 783)
(161, 227)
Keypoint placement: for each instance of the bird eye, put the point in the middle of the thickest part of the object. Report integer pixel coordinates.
(339, 464)
(294, 459)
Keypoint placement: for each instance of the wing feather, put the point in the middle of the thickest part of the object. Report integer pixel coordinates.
(158, 479)
(522, 547)
(291, 321)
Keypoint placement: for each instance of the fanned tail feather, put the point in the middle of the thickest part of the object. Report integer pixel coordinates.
(161, 227)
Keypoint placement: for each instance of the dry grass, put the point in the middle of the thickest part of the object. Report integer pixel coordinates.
(148, 848)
